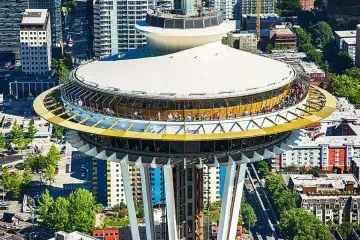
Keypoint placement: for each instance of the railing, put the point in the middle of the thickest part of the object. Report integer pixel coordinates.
(124, 107)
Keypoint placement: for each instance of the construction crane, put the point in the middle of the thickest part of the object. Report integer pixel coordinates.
(258, 19)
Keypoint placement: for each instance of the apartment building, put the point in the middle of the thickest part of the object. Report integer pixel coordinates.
(307, 5)
(330, 197)
(349, 46)
(282, 37)
(312, 70)
(211, 184)
(330, 144)
(340, 36)
(114, 25)
(35, 39)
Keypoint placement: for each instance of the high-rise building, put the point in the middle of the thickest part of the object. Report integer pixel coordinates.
(248, 7)
(114, 25)
(168, 106)
(10, 18)
(35, 39)
(54, 9)
(357, 54)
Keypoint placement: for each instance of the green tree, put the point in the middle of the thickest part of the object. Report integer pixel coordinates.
(22, 143)
(248, 215)
(322, 34)
(299, 224)
(5, 178)
(263, 168)
(53, 156)
(139, 211)
(16, 183)
(274, 182)
(99, 208)
(45, 201)
(345, 229)
(58, 132)
(346, 86)
(291, 5)
(16, 132)
(30, 134)
(303, 37)
(285, 200)
(58, 218)
(49, 174)
(122, 206)
(354, 73)
(81, 211)
(27, 178)
(61, 70)
(2, 142)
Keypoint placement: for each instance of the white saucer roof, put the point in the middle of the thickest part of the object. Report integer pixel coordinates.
(213, 70)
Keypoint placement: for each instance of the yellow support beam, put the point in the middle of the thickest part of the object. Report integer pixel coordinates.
(113, 125)
(63, 113)
(85, 119)
(73, 116)
(98, 122)
(56, 109)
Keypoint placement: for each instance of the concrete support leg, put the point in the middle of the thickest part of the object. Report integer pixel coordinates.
(231, 201)
(170, 202)
(225, 214)
(148, 209)
(129, 199)
(237, 200)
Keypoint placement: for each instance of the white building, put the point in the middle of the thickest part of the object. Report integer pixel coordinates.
(211, 184)
(357, 55)
(330, 144)
(349, 46)
(341, 35)
(114, 25)
(35, 39)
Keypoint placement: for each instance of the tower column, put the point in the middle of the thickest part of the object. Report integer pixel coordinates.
(170, 202)
(237, 200)
(129, 198)
(147, 201)
(231, 201)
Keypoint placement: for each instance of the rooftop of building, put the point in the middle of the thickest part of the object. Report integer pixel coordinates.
(350, 40)
(346, 34)
(243, 34)
(282, 54)
(326, 180)
(72, 236)
(203, 77)
(281, 30)
(344, 112)
(311, 67)
(34, 17)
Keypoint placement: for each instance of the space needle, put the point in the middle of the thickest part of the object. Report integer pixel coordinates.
(184, 101)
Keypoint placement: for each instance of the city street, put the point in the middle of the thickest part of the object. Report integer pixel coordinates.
(77, 28)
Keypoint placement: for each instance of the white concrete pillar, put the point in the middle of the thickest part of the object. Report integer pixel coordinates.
(237, 200)
(225, 214)
(147, 201)
(129, 198)
(170, 202)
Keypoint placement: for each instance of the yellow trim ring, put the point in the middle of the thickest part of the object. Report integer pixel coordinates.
(326, 110)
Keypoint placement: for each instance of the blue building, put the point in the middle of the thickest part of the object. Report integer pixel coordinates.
(156, 185)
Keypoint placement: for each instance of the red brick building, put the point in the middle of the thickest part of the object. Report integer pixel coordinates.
(307, 5)
(107, 234)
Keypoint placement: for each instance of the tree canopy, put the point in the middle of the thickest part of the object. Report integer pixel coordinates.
(291, 5)
(284, 199)
(248, 215)
(348, 85)
(75, 213)
(322, 34)
(299, 224)
(16, 183)
(263, 168)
